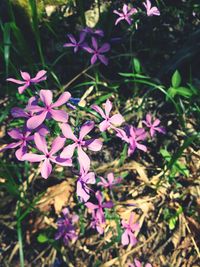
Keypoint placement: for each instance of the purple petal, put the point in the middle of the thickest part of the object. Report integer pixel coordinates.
(40, 143)
(15, 134)
(94, 144)
(71, 38)
(19, 113)
(105, 48)
(103, 59)
(108, 204)
(91, 206)
(88, 49)
(21, 152)
(93, 59)
(94, 43)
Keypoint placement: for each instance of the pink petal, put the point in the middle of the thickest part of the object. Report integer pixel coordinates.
(57, 144)
(137, 263)
(91, 206)
(99, 196)
(68, 151)
(36, 120)
(59, 115)
(93, 59)
(125, 239)
(88, 49)
(71, 38)
(110, 177)
(98, 110)
(118, 20)
(62, 100)
(154, 11)
(90, 178)
(33, 157)
(108, 107)
(15, 81)
(156, 122)
(116, 119)
(81, 192)
(40, 143)
(94, 144)
(46, 97)
(15, 134)
(148, 119)
(148, 265)
(105, 48)
(20, 152)
(104, 125)
(25, 75)
(39, 75)
(141, 147)
(67, 131)
(60, 161)
(85, 129)
(117, 12)
(83, 159)
(133, 239)
(21, 89)
(46, 168)
(10, 146)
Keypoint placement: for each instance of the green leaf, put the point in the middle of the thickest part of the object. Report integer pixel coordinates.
(176, 79)
(137, 66)
(184, 91)
(172, 223)
(42, 238)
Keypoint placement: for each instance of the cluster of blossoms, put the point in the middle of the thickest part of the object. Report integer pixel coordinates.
(90, 39)
(70, 147)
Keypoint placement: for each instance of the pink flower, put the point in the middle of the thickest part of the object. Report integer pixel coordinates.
(74, 43)
(92, 144)
(108, 121)
(97, 52)
(97, 224)
(23, 138)
(153, 125)
(21, 113)
(85, 178)
(40, 76)
(48, 156)
(128, 235)
(99, 207)
(151, 10)
(125, 14)
(137, 263)
(133, 136)
(110, 182)
(48, 110)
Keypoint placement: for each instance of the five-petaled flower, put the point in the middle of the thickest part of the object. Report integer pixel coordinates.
(108, 122)
(133, 136)
(93, 144)
(66, 229)
(48, 110)
(125, 14)
(97, 52)
(40, 76)
(85, 178)
(153, 126)
(128, 235)
(151, 11)
(48, 156)
(110, 182)
(74, 43)
(23, 137)
(99, 207)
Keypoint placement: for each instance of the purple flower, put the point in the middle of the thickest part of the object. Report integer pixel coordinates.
(153, 125)
(110, 182)
(48, 156)
(108, 121)
(66, 229)
(74, 43)
(133, 136)
(91, 31)
(151, 11)
(125, 14)
(128, 235)
(97, 52)
(85, 178)
(137, 263)
(40, 76)
(22, 139)
(99, 207)
(96, 224)
(48, 110)
(21, 113)
(93, 144)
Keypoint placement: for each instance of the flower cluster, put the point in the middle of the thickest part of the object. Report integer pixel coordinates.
(89, 40)
(36, 143)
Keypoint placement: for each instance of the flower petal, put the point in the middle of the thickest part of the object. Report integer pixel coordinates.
(93, 59)
(15, 134)
(108, 107)
(61, 100)
(15, 81)
(67, 131)
(98, 110)
(46, 97)
(57, 144)
(46, 168)
(117, 119)
(33, 157)
(40, 143)
(19, 113)
(40, 75)
(21, 89)
(36, 120)
(94, 43)
(104, 125)
(59, 115)
(105, 48)
(83, 159)
(103, 59)
(94, 144)
(85, 129)
(68, 151)
(25, 75)
(124, 238)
